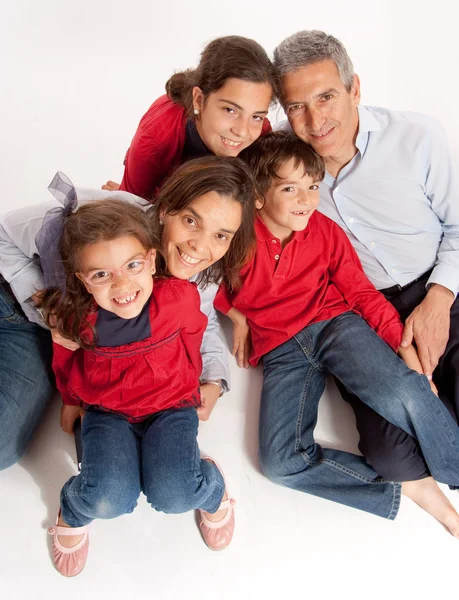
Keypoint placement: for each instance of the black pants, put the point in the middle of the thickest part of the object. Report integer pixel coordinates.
(391, 452)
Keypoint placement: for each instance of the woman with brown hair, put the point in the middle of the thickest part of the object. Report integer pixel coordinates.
(218, 108)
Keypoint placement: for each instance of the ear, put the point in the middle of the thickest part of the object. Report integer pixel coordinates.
(86, 285)
(198, 98)
(355, 90)
(259, 203)
(153, 261)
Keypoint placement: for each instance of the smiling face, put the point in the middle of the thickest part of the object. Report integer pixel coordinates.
(231, 118)
(125, 295)
(200, 234)
(321, 111)
(290, 201)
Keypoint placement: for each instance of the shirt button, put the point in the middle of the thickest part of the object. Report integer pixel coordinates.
(351, 220)
(393, 271)
(277, 257)
(372, 244)
(274, 241)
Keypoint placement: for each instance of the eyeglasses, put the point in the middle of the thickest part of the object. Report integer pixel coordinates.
(130, 269)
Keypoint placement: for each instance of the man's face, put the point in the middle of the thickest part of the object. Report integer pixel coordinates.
(320, 109)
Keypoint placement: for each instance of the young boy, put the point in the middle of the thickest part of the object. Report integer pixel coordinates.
(311, 311)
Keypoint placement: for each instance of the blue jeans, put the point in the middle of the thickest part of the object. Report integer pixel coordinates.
(294, 379)
(26, 380)
(159, 456)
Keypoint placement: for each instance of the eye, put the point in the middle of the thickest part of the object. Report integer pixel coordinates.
(189, 221)
(289, 188)
(134, 266)
(327, 97)
(294, 108)
(100, 276)
(222, 237)
(314, 187)
(229, 110)
(258, 118)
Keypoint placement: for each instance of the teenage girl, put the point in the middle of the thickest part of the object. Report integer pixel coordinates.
(218, 108)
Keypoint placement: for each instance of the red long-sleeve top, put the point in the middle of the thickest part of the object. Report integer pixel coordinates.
(315, 277)
(157, 147)
(144, 377)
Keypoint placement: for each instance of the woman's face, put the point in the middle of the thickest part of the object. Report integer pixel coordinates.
(200, 234)
(231, 118)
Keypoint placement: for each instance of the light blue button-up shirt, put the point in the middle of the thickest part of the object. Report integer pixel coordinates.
(398, 199)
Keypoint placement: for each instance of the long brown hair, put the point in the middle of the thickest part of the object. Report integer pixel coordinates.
(228, 177)
(224, 58)
(97, 221)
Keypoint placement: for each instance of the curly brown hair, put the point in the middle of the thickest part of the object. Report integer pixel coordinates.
(101, 220)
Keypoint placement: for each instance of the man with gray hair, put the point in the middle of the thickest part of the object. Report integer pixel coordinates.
(390, 185)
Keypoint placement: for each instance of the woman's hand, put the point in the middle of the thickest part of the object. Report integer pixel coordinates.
(210, 393)
(62, 341)
(111, 186)
(241, 338)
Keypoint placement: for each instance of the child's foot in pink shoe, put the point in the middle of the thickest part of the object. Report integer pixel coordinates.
(70, 547)
(217, 528)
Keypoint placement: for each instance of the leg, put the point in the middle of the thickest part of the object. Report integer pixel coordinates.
(293, 383)
(175, 479)
(381, 379)
(26, 380)
(109, 482)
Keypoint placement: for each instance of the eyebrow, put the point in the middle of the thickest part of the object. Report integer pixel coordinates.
(324, 93)
(257, 112)
(137, 255)
(199, 218)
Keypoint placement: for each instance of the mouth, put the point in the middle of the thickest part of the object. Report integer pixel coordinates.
(301, 213)
(230, 144)
(188, 260)
(126, 299)
(321, 137)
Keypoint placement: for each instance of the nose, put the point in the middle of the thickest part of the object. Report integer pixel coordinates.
(315, 119)
(303, 198)
(119, 279)
(241, 127)
(198, 243)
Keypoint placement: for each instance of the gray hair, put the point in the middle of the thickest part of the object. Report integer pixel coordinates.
(307, 47)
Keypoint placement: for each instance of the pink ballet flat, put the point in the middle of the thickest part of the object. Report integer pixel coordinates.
(218, 535)
(69, 561)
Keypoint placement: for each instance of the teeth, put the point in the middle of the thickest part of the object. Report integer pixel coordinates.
(189, 259)
(231, 143)
(126, 299)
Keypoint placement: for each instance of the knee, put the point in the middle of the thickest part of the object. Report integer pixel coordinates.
(400, 460)
(109, 503)
(173, 492)
(273, 465)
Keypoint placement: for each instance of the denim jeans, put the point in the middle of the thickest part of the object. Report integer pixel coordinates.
(294, 379)
(159, 456)
(26, 380)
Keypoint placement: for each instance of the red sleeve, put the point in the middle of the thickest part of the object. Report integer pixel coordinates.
(156, 148)
(347, 274)
(266, 126)
(222, 300)
(63, 361)
(194, 322)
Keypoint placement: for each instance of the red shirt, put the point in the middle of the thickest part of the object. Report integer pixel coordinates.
(144, 377)
(157, 147)
(316, 276)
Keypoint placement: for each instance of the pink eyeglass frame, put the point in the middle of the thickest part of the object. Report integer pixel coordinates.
(114, 272)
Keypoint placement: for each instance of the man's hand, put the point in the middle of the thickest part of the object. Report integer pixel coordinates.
(69, 414)
(428, 326)
(209, 396)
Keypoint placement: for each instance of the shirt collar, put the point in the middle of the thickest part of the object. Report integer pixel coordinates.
(264, 234)
(367, 123)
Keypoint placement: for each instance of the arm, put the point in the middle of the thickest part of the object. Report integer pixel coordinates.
(361, 295)
(428, 325)
(241, 331)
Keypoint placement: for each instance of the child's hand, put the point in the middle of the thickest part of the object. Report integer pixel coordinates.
(411, 359)
(69, 414)
(241, 344)
(210, 393)
(111, 186)
(62, 341)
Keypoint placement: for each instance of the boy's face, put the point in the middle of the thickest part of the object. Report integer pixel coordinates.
(290, 201)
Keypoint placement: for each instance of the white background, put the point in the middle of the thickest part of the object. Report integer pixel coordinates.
(75, 79)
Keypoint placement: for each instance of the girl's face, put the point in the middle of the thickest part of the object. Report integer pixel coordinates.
(231, 118)
(113, 272)
(200, 234)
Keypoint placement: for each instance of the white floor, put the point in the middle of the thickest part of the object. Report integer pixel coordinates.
(286, 543)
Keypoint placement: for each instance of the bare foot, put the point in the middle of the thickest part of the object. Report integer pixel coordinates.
(111, 186)
(220, 514)
(68, 541)
(429, 496)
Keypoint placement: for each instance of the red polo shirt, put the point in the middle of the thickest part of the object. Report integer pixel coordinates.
(315, 277)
